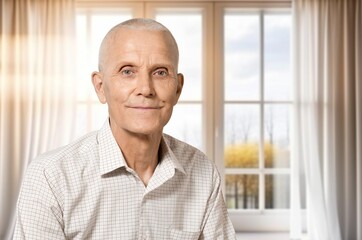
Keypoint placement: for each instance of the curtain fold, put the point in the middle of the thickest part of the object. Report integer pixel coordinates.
(359, 118)
(327, 118)
(37, 99)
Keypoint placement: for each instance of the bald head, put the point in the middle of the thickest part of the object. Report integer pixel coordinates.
(139, 24)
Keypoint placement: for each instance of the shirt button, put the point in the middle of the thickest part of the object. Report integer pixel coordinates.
(144, 237)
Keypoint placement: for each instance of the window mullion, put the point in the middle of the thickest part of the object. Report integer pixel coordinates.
(89, 43)
(261, 126)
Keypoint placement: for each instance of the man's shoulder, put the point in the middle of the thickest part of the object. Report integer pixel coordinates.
(191, 158)
(181, 148)
(67, 156)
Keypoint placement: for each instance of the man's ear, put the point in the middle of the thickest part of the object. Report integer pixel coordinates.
(180, 84)
(98, 85)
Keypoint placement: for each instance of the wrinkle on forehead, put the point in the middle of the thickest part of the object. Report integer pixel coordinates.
(123, 29)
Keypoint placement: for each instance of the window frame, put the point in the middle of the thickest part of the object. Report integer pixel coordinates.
(87, 8)
(244, 219)
(207, 53)
(213, 89)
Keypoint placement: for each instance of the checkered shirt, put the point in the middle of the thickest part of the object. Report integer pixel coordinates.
(85, 190)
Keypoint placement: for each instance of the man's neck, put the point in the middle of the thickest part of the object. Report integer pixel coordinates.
(140, 152)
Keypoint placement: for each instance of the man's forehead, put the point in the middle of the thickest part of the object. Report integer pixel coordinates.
(122, 38)
(131, 49)
(126, 34)
(129, 41)
(140, 57)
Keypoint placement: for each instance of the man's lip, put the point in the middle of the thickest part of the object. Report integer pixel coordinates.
(144, 107)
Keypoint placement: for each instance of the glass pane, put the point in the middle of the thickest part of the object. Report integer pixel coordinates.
(242, 191)
(90, 30)
(89, 117)
(81, 124)
(242, 56)
(277, 57)
(186, 27)
(83, 88)
(185, 124)
(276, 134)
(101, 23)
(277, 189)
(99, 115)
(241, 135)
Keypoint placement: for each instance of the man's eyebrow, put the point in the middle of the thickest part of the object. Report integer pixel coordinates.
(163, 65)
(129, 63)
(124, 64)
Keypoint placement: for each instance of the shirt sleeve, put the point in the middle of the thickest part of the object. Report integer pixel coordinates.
(217, 224)
(39, 214)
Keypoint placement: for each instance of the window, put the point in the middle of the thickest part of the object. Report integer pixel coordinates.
(187, 23)
(236, 100)
(92, 23)
(190, 23)
(256, 109)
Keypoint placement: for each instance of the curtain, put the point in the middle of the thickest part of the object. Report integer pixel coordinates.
(36, 89)
(327, 118)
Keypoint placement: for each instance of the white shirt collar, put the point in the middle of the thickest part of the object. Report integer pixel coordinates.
(111, 156)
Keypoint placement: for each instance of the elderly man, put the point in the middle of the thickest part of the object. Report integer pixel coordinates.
(127, 180)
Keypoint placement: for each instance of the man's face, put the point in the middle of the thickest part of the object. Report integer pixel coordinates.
(139, 81)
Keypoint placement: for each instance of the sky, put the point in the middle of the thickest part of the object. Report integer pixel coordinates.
(242, 71)
(242, 77)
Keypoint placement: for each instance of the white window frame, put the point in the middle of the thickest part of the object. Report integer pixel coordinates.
(89, 7)
(213, 89)
(245, 220)
(206, 10)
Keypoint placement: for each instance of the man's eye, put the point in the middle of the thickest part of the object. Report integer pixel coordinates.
(161, 72)
(126, 71)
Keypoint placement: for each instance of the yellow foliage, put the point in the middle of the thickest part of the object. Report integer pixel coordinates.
(246, 155)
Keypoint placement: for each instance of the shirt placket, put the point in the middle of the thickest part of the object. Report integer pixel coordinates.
(143, 232)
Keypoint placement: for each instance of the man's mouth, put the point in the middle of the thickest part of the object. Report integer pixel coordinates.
(145, 107)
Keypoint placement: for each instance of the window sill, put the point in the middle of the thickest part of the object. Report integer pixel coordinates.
(265, 236)
(262, 236)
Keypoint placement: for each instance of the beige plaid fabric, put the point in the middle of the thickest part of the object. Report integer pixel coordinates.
(86, 191)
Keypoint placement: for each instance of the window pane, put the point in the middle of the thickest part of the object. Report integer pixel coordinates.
(90, 117)
(99, 115)
(83, 69)
(187, 30)
(185, 124)
(277, 189)
(277, 57)
(242, 191)
(276, 134)
(241, 135)
(90, 31)
(242, 60)
(91, 27)
(101, 23)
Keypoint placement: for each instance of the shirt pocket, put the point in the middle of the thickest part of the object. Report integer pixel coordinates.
(176, 234)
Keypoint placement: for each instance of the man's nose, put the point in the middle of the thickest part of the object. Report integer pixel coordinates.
(145, 85)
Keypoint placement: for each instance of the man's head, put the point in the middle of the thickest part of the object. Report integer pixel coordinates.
(135, 24)
(138, 76)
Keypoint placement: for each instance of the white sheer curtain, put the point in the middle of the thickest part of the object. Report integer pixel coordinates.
(328, 118)
(36, 89)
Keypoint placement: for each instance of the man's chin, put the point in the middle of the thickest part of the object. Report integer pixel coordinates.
(145, 131)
